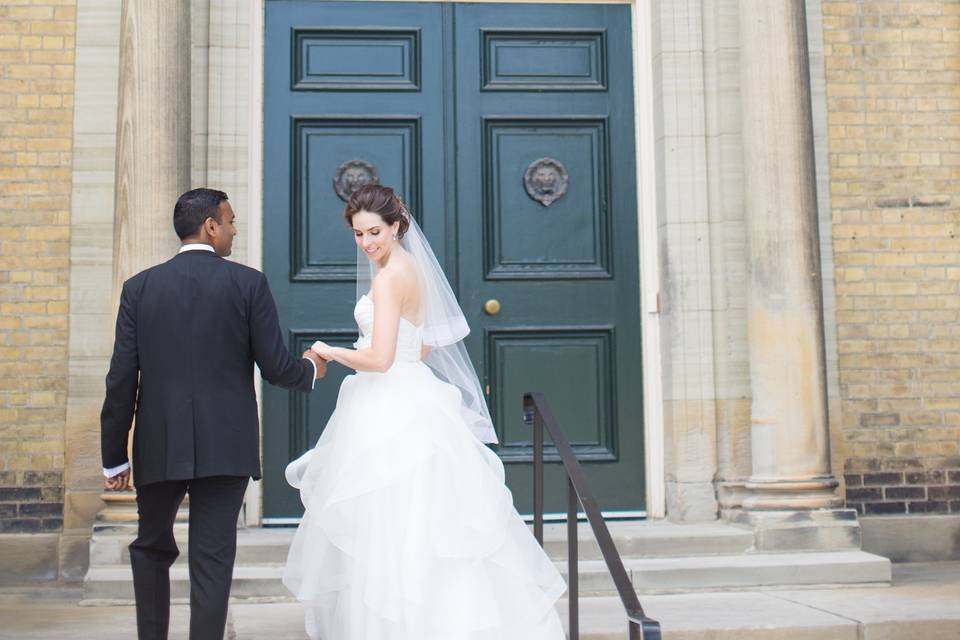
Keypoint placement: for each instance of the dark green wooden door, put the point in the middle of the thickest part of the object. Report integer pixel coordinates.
(547, 224)
(509, 129)
(352, 91)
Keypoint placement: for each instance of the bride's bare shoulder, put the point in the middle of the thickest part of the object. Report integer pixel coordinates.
(399, 275)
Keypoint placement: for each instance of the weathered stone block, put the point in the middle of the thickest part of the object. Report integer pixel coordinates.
(898, 493)
(41, 509)
(913, 538)
(25, 558)
(880, 419)
(20, 525)
(17, 494)
(816, 530)
(42, 478)
(51, 524)
(74, 556)
(874, 508)
(944, 493)
(873, 494)
(691, 501)
(928, 506)
(853, 480)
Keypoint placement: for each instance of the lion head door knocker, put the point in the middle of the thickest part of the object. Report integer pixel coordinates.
(546, 180)
(353, 174)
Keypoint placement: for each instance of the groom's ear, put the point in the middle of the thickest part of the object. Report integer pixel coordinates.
(210, 226)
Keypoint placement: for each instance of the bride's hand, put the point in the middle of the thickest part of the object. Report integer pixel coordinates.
(322, 349)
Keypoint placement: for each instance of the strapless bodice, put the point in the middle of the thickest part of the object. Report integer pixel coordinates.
(409, 337)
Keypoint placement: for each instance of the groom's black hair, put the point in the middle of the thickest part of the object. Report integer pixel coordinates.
(193, 208)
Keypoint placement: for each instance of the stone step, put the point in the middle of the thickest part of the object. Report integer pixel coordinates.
(113, 583)
(737, 571)
(109, 544)
(838, 614)
(652, 539)
(121, 509)
(634, 539)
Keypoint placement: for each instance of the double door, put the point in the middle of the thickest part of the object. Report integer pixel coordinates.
(508, 130)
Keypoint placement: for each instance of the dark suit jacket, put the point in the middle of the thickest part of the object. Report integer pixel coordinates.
(188, 333)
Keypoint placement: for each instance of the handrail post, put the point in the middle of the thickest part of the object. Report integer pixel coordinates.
(573, 570)
(537, 471)
(650, 630)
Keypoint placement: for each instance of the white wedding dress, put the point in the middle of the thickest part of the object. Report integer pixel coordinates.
(409, 531)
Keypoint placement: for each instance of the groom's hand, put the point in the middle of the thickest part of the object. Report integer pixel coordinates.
(318, 361)
(119, 482)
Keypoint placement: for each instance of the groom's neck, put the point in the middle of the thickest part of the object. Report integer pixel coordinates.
(187, 241)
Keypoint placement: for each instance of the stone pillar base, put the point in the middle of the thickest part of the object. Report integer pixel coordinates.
(730, 497)
(779, 495)
(121, 508)
(801, 530)
(691, 501)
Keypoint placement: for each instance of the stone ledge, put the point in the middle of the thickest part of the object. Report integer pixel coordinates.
(28, 557)
(912, 538)
(802, 530)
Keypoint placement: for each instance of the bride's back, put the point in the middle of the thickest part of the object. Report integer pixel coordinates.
(403, 278)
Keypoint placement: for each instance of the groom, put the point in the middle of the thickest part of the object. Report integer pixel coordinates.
(188, 333)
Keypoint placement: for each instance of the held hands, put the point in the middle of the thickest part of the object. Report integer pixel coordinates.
(322, 349)
(319, 362)
(119, 482)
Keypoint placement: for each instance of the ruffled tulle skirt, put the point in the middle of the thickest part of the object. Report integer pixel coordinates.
(409, 531)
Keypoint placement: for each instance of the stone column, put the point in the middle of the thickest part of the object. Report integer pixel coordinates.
(153, 132)
(153, 148)
(789, 432)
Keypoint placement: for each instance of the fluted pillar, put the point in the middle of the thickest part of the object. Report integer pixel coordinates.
(153, 132)
(789, 431)
(152, 150)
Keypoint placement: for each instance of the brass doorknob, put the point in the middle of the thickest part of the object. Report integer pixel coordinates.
(491, 307)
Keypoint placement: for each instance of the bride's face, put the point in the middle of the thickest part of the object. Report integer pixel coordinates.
(373, 235)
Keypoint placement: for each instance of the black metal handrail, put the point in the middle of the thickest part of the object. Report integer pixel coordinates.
(538, 412)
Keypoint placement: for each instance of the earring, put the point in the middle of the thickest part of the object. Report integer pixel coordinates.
(394, 237)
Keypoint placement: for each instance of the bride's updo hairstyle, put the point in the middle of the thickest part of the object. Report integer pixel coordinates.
(383, 201)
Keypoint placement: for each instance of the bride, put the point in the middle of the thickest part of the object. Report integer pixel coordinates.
(409, 532)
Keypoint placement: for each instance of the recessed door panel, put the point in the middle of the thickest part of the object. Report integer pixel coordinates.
(356, 59)
(522, 359)
(332, 157)
(544, 59)
(545, 198)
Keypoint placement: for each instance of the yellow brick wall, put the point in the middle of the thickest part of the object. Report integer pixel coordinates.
(893, 101)
(36, 139)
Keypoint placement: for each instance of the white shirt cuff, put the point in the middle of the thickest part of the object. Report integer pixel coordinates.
(314, 380)
(109, 473)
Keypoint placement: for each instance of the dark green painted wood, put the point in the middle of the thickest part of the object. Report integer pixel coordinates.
(323, 107)
(451, 103)
(566, 275)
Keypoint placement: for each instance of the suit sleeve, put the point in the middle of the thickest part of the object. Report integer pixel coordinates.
(123, 380)
(277, 365)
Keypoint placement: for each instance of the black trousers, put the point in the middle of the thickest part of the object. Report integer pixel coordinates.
(214, 506)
